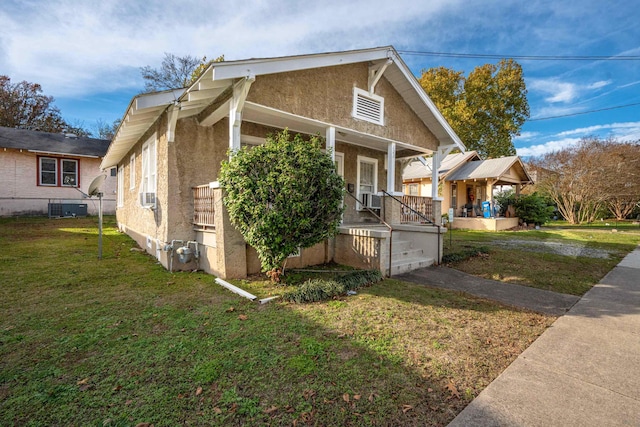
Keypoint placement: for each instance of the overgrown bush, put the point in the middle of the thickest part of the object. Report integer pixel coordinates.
(315, 290)
(282, 196)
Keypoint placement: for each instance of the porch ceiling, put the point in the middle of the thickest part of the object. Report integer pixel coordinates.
(268, 116)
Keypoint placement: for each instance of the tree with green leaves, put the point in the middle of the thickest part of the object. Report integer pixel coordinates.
(486, 109)
(282, 196)
(175, 72)
(23, 106)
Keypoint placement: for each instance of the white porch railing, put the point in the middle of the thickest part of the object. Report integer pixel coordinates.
(203, 207)
(422, 205)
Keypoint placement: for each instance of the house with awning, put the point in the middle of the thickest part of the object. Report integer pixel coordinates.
(467, 185)
(369, 107)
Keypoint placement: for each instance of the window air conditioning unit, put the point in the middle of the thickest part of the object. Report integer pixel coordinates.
(148, 199)
(371, 201)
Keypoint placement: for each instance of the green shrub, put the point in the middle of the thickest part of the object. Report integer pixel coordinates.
(315, 290)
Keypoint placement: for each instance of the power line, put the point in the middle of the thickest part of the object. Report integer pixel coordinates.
(584, 112)
(526, 57)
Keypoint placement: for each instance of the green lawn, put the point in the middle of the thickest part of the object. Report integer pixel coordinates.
(121, 341)
(560, 258)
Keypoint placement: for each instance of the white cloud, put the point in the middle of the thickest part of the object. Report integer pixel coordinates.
(562, 91)
(72, 48)
(547, 147)
(526, 136)
(610, 129)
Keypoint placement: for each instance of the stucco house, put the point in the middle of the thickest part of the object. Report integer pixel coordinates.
(366, 103)
(42, 172)
(465, 182)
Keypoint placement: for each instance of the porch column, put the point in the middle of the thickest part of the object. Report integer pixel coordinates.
(391, 168)
(331, 142)
(240, 91)
(435, 165)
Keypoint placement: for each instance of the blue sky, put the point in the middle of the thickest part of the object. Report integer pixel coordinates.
(88, 54)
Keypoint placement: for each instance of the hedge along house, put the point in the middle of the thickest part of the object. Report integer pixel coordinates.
(45, 173)
(366, 103)
(464, 182)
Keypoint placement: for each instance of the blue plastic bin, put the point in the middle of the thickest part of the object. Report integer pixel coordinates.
(486, 209)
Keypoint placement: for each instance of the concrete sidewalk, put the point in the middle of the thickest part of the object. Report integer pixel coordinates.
(582, 371)
(527, 297)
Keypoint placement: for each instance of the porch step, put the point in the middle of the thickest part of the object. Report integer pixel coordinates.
(409, 264)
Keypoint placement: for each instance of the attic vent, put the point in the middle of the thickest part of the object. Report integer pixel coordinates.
(368, 107)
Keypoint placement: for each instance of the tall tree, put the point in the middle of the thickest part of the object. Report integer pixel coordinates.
(23, 106)
(175, 72)
(106, 130)
(594, 174)
(486, 109)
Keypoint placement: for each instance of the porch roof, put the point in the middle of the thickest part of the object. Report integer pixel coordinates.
(221, 77)
(495, 169)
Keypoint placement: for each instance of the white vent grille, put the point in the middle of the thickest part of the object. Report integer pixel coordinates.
(368, 107)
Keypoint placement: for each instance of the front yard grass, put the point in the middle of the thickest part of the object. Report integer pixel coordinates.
(559, 258)
(121, 341)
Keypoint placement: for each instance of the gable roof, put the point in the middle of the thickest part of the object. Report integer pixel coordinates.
(219, 77)
(52, 143)
(491, 169)
(418, 170)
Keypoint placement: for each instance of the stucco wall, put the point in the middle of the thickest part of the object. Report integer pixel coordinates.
(20, 193)
(327, 94)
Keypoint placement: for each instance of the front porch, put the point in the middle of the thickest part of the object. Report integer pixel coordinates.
(484, 224)
(408, 242)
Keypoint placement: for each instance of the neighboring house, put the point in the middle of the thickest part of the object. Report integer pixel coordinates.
(42, 172)
(465, 182)
(366, 103)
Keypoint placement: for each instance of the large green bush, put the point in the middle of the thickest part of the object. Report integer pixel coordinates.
(282, 196)
(533, 209)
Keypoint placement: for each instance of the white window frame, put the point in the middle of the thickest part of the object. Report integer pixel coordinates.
(359, 93)
(374, 162)
(120, 190)
(55, 171)
(149, 166)
(132, 172)
(339, 162)
(77, 172)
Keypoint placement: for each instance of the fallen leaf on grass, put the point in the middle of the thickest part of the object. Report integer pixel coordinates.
(230, 310)
(198, 391)
(144, 425)
(270, 410)
(345, 397)
(308, 394)
(357, 396)
(372, 396)
(117, 388)
(217, 410)
(406, 408)
(453, 390)
(243, 317)
(84, 381)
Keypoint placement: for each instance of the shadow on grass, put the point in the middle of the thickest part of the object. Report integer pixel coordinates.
(120, 341)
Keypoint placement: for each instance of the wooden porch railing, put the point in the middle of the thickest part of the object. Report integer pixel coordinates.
(424, 205)
(203, 207)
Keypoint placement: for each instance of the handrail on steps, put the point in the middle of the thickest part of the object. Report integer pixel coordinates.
(382, 221)
(403, 204)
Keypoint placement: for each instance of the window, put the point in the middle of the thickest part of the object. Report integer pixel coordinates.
(339, 163)
(413, 190)
(368, 106)
(367, 177)
(56, 172)
(120, 190)
(69, 173)
(132, 172)
(149, 166)
(48, 171)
